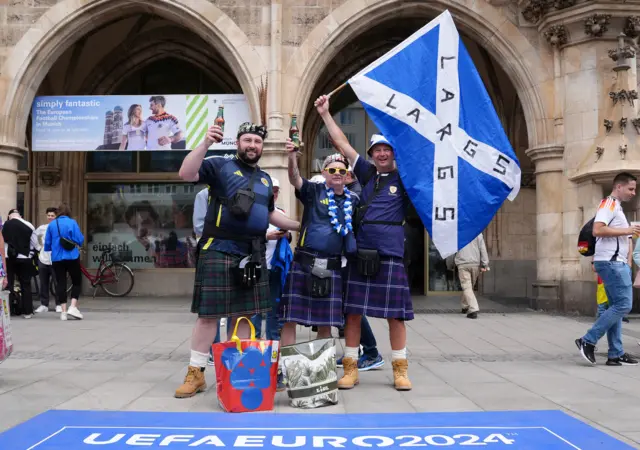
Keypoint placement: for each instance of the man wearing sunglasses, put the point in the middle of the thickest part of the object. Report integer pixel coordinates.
(377, 284)
(313, 290)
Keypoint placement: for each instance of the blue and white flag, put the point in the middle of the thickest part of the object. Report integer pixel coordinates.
(453, 155)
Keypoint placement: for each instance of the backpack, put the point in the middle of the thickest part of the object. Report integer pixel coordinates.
(587, 241)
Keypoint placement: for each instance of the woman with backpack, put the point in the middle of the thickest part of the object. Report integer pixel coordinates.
(62, 239)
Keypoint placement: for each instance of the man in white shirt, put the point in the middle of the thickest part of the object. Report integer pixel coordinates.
(612, 262)
(45, 272)
(162, 128)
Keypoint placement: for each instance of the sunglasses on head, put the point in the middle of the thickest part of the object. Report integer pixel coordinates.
(333, 170)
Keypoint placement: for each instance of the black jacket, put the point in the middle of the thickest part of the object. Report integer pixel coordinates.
(17, 234)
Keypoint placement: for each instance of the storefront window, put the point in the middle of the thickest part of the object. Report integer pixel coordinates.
(443, 274)
(23, 164)
(112, 162)
(20, 198)
(150, 224)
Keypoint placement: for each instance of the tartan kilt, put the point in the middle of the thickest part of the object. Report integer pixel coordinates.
(385, 296)
(297, 305)
(216, 294)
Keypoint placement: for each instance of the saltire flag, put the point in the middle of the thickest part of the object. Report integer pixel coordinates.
(453, 155)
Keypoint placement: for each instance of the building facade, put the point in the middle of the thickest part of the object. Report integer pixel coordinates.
(561, 77)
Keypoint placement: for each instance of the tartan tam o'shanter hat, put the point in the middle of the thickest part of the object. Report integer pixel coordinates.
(336, 157)
(252, 128)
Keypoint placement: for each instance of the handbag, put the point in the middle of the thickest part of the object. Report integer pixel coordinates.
(368, 262)
(246, 372)
(65, 243)
(242, 201)
(310, 373)
(636, 281)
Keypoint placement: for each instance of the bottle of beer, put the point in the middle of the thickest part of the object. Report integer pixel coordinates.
(220, 118)
(294, 131)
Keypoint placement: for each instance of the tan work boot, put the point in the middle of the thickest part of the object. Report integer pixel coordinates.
(400, 377)
(350, 377)
(194, 382)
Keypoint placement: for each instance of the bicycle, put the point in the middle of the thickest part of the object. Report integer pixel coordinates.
(111, 270)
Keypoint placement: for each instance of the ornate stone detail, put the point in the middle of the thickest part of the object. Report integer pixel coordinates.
(623, 124)
(50, 176)
(608, 125)
(597, 24)
(599, 152)
(528, 179)
(622, 54)
(623, 95)
(556, 35)
(535, 10)
(636, 124)
(562, 4)
(623, 151)
(632, 26)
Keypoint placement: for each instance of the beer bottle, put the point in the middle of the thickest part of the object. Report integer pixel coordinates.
(220, 118)
(294, 131)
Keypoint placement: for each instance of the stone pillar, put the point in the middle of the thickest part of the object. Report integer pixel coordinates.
(9, 158)
(549, 176)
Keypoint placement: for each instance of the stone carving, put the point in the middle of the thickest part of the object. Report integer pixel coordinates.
(608, 125)
(562, 4)
(632, 26)
(625, 52)
(50, 176)
(597, 24)
(623, 124)
(535, 9)
(556, 35)
(599, 152)
(623, 151)
(623, 95)
(636, 124)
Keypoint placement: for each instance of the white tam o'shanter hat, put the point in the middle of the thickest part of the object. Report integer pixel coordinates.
(275, 182)
(378, 139)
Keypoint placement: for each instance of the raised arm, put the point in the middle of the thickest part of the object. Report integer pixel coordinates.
(281, 221)
(337, 136)
(294, 173)
(193, 161)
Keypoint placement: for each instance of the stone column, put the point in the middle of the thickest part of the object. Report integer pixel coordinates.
(549, 167)
(9, 157)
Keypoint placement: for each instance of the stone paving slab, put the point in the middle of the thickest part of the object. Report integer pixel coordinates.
(131, 355)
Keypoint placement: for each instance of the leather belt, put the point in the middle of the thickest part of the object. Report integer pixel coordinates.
(322, 263)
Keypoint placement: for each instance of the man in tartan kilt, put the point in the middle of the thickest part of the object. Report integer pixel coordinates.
(231, 273)
(377, 284)
(313, 290)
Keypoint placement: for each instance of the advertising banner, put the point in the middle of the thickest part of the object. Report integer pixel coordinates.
(134, 122)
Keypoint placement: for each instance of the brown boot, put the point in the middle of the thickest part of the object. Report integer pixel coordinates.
(400, 377)
(194, 382)
(350, 378)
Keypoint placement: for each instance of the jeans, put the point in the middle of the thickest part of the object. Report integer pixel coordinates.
(273, 325)
(22, 269)
(368, 340)
(618, 285)
(72, 267)
(45, 273)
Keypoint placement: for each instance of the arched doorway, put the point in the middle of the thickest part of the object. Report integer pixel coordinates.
(428, 271)
(128, 48)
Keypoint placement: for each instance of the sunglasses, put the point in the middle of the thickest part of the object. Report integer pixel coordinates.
(333, 170)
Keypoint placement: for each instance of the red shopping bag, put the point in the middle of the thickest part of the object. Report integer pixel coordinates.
(246, 372)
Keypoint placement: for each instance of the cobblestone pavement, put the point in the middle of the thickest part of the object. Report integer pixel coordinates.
(131, 354)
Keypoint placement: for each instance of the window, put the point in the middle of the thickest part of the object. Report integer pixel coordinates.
(346, 117)
(151, 223)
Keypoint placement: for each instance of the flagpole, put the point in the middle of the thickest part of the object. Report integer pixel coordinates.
(338, 89)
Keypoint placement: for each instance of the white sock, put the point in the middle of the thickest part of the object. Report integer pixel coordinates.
(399, 354)
(198, 359)
(351, 352)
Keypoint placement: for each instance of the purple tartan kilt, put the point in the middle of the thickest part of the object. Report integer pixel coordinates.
(385, 296)
(297, 305)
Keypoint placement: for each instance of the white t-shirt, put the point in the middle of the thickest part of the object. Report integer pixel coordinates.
(158, 126)
(610, 213)
(44, 257)
(136, 136)
(271, 244)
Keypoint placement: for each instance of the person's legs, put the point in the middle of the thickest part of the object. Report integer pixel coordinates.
(60, 272)
(24, 271)
(350, 359)
(368, 340)
(204, 332)
(398, 338)
(288, 334)
(73, 268)
(275, 291)
(44, 274)
(468, 277)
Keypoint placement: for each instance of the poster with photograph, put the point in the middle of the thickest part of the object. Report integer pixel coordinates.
(134, 122)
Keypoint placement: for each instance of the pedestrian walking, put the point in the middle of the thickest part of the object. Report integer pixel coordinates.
(472, 260)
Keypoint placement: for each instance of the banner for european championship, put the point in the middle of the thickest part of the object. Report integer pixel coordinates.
(134, 122)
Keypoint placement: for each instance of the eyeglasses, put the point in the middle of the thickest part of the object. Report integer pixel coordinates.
(333, 170)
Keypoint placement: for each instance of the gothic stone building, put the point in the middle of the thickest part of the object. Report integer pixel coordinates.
(561, 75)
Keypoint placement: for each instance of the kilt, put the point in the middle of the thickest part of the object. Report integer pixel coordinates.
(297, 305)
(216, 295)
(385, 296)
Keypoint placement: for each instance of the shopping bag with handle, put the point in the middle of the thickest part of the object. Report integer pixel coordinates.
(246, 372)
(6, 342)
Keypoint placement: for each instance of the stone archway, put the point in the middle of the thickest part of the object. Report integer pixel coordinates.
(65, 23)
(529, 70)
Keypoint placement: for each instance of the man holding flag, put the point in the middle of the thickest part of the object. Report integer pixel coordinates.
(454, 160)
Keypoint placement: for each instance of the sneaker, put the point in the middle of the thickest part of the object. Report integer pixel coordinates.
(624, 360)
(63, 316)
(41, 309)
(58, 309)
(365, 363)
(27, 316)
(586, 350)
(473, 315)
(75, 313)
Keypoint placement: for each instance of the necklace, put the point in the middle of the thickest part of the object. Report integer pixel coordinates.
(342, 230)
